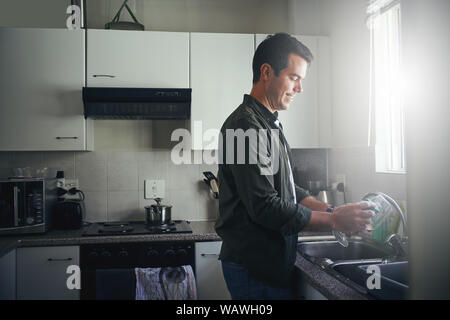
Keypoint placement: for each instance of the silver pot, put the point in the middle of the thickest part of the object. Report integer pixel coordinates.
(158, 214)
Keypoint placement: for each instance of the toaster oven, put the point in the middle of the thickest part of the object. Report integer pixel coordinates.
(26, 205)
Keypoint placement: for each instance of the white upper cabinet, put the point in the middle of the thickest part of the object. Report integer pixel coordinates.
(118, 58)
(41, 78)
(307, 122)
(221, 73)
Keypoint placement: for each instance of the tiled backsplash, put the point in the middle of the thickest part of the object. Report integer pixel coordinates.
(310, 164)
(113, 181)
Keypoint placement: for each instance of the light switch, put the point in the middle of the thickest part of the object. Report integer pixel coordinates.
(154, 189)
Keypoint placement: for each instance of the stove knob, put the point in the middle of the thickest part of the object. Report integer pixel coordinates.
(182, 253)
(123, 253)
(152, 253)
(106, 253)
(169, 253)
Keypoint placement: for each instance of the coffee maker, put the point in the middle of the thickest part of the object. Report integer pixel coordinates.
(69, 212)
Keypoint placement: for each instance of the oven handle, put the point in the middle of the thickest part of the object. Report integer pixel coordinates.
(212, 255)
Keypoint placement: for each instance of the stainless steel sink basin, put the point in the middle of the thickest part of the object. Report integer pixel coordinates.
(394, 281)
(332, 250)
(394, 278)
(349, 265)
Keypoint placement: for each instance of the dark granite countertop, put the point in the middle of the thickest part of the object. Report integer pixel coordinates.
(201, 231)
(326, 284)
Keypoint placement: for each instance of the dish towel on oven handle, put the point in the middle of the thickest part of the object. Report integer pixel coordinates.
(166, 283)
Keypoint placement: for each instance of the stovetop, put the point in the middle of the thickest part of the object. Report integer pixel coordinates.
(136, 228)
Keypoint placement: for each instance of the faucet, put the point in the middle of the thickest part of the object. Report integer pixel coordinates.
(400, 211)
(399, 245)
(397, 242)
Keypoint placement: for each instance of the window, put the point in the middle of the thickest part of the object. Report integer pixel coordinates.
(386, 98)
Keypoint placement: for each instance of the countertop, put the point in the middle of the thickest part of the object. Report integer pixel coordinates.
(330, 287)
(201, 231)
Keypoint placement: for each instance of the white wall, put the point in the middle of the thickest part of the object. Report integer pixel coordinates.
(358, 165)
(426, 37)
(344, 22)
(33, 14)
(249, 16)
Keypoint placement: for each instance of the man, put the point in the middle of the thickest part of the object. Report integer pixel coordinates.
(261, 214)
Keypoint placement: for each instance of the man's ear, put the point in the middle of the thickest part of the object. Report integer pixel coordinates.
(266, 71)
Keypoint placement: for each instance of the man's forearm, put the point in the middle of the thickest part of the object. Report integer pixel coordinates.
(320, 221)
(314, 204)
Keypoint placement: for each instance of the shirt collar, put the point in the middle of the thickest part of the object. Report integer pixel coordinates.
(269, 116)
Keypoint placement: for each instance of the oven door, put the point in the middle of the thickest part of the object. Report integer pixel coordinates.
(109, 271)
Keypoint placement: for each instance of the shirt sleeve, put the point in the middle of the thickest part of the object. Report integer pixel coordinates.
(261, 199)
(301, 193)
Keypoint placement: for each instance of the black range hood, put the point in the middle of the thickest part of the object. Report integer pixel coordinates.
(136, 103)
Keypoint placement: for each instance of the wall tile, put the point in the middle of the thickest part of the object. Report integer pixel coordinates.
(309, 164)
(91, 170)
(152, 166)
(183, 176)
(124, 206)
(358, 164)
(5, 160)
(208, 206)
(96, 206)
(61, 161)
(27, 159)
(122, 171)
(184, 204)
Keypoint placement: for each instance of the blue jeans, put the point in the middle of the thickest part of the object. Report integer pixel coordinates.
(244, 287)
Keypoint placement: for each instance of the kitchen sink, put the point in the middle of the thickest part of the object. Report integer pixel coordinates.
(394, 278)
(333, 251)
(349, 265)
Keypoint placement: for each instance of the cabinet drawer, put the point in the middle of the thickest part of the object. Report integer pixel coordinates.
(41, 272)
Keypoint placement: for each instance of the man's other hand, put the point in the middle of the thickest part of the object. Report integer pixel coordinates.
(352, 217)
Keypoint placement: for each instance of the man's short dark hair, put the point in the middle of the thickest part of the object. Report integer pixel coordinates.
(275, 50)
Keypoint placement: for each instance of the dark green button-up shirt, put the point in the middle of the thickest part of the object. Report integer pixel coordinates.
(259, 218)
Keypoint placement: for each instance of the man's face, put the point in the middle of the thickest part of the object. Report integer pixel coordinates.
(281, 90)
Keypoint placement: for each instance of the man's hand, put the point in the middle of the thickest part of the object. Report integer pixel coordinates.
(313, 204)
(352, 217)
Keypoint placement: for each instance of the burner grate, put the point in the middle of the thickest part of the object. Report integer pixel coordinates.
(136, 228)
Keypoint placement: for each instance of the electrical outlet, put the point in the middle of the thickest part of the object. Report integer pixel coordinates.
(154, 189)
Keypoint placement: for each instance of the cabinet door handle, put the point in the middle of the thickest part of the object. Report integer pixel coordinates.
(60, 138)
(16, 206)
(210, 255)
(103, 76)
(66, 259)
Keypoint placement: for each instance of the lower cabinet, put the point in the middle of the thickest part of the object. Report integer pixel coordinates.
(8, 276)
(210, 282)
(42, 273)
